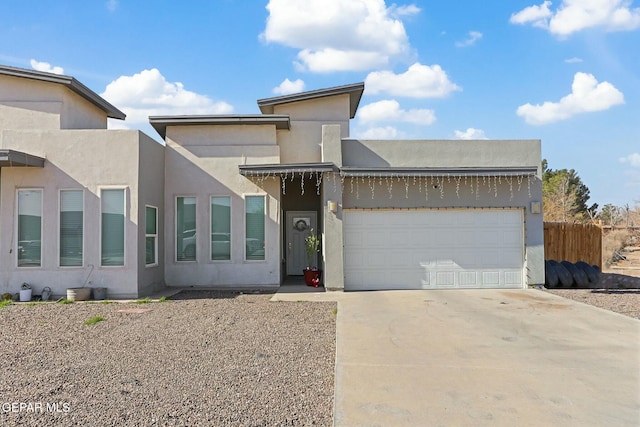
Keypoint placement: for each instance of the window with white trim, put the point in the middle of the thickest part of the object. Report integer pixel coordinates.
(29, 228)
(151, 235)
(255, 228)
(112, 227)
(71, 228)
(220, 228)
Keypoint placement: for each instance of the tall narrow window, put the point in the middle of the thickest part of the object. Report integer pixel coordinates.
(71, 227)
(185, 229)
(220, 228)
(151, 235)
(254, 222)
(29, 228)
(113, 222)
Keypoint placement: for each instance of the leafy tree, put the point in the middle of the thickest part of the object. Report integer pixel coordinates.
(610, 214)
(565, 196)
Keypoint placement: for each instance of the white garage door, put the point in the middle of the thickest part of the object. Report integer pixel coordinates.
(433, 249)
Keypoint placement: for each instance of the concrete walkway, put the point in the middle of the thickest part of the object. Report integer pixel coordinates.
(481, 358)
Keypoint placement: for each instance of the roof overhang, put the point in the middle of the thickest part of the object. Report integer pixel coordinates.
(69, 82)
(160, 123)
(353, 90)
(439, 172)
(286, 169)
(12, 158)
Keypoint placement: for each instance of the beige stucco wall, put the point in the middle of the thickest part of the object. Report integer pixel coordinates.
(441, 153)
(76, 159)
(303, 142)
(78, 113)
(210, 169)
(34, 104)
(222, 135)
(150, 192)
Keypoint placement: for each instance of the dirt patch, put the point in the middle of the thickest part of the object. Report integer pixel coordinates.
(544, 305)
(523, 296)
(629, 265)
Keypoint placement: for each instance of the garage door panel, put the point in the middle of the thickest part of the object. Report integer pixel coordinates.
(376, 239)
(491, 278)
(445, 278)
(434, 249)
(513, 278)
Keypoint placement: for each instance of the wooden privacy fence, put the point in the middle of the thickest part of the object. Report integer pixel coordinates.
(573, 242)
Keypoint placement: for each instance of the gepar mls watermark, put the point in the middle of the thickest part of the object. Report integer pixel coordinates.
(35, 407)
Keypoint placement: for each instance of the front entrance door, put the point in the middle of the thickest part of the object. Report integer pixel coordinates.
(297, 229)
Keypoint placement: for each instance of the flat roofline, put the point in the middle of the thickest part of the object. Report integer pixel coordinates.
(69, 82)
(440, 172)
(354, 91)
(160, 123)
(13, 158)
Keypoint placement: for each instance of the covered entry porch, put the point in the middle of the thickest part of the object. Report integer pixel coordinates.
(303, 210)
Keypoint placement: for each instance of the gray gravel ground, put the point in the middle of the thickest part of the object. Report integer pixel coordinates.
(623, 301)
(209, 359)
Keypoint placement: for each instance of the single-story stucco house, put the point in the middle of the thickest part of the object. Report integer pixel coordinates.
(228, 199)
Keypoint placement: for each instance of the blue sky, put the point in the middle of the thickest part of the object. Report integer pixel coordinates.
(566, 72)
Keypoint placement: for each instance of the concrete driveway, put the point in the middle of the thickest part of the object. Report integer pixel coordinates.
(482, 357)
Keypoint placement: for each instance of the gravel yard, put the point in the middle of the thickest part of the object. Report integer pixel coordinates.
(623, 301)
(202, 358)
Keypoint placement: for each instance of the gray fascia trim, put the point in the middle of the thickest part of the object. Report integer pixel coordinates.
(470, 171)
(354, 90)
(11, 158)
(286, 168)
(160, 123)
(68, 81)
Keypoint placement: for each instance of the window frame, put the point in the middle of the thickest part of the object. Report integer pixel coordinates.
(124, 234)
(175, 228)
(244, 242)
(84, 225)
(17, 226)
(220, 196)
(155, 236)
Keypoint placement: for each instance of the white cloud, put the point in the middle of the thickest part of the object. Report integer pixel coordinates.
(46, 67)
(632, 159)
(330, 60)
(419, 81)
(390, 111)
(387, 132)
(338, 35)
(148, 93)
(411, 9)
(474, 36)
(576, 15)
(537, 15)
(587, 95)
(573, 60)
(470, 133)
(287, 86)
(112, 5)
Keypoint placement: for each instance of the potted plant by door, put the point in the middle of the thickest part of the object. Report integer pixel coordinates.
(312, 273)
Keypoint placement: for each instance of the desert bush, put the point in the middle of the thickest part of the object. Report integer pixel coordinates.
(613, 242)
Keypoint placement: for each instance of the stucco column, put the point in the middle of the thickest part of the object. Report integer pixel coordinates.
(332, 251)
